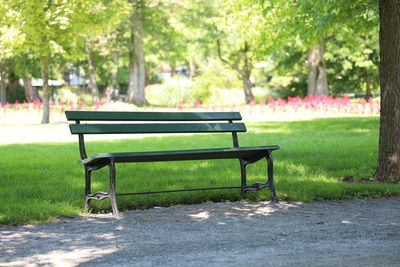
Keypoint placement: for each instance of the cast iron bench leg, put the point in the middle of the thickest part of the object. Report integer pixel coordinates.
(271, 184)
(87, 188)
(243, 165)
(112, 188)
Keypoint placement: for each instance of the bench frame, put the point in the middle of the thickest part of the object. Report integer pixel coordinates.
(110, 161)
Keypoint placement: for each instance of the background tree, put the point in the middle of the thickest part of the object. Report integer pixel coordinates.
(3, 81)
(26, 67)
(311, 25)
(99, 20)
(238, 37)
(137, 71)
(11, 43)
(45, 28)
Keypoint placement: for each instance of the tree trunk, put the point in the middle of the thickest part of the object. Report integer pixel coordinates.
(192, 68)
(248, 92)
(31, 93)
(114, 73)
(388, 168)
(317, 79)
(136, 85)
(92, 72)
(173, 68)
(246, 73)
(46, 89)
(3, 83)
(367, 80)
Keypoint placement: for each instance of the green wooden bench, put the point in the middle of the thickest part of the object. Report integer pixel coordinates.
(171, 122)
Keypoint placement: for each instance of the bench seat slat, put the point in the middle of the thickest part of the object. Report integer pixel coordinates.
(156, 128)
(151, 116)
(178, 155)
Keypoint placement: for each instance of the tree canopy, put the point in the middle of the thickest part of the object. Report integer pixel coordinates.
(278, 45)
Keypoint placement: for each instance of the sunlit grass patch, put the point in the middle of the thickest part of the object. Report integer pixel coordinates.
(42, 181)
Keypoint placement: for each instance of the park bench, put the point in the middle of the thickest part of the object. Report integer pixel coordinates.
(167, 122)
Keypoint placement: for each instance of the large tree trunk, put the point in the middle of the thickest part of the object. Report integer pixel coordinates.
(92, 72)
(31, 93)
(3, 83)
(46, 89)
(136, 85)
(389, 135)
(317, 79)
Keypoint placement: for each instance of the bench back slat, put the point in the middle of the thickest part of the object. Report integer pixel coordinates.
(151, 116)
(156, 128)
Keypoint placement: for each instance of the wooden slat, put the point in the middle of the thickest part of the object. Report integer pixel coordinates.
(156, 128)
(150, 116)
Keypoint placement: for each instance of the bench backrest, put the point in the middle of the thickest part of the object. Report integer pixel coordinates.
(182, 122)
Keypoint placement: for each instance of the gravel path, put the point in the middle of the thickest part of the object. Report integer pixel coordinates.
(360, 232)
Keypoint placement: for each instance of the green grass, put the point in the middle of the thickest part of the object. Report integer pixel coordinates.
(40, 182)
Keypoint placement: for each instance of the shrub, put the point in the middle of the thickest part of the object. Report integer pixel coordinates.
(73, 94)
(66, 95)
(214, 76)
(171, 92)
(225, 97)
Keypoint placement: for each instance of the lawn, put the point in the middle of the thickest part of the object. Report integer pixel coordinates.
(42, 181)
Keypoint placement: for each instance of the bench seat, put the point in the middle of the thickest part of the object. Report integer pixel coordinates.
(245, 153)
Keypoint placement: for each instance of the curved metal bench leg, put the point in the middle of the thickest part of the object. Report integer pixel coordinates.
(243, 165)
(112, 188)
(271, 184)
(87, 188)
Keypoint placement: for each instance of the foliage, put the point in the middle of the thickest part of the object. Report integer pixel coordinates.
(293, 27)
(207, 80)
(184, 33)
(73, 94)
(354, 67)
(173, 91)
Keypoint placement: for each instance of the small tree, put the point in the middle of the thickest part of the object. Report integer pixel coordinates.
(43, 28)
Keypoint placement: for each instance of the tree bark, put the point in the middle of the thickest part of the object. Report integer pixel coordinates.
(92, 72)
(31, 93)
(46, 89)
(388, 168)
(368, 90)
(192, 68)
(173, 68)
(3, 83)
(246, 73)
(317, 79)
(137, 73)
(114, 72)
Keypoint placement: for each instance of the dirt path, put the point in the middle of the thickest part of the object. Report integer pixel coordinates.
(361, 232)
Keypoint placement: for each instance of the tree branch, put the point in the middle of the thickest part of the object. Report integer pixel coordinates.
(232, 65)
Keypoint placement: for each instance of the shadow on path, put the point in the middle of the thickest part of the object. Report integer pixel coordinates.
(355, 232)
